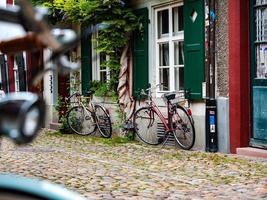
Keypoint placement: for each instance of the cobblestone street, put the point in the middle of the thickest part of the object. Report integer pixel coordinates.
(111, 169)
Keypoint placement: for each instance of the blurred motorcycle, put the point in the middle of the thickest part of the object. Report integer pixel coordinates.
(22, 113)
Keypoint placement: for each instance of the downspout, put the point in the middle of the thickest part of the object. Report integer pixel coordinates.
(211, 107)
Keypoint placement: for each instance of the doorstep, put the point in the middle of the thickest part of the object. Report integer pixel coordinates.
(55, 126)
(252, 152)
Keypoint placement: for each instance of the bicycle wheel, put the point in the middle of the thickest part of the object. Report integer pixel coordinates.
(81, 120)
(147, 123)
(103, 121)
(184, 129)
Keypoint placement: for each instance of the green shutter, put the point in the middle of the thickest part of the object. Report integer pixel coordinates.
(86, 61)
(194, 47)
(140, 54)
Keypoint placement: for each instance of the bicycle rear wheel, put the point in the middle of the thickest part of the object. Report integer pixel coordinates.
(184, 129)
(103, 121)
(80, 120)
(146, 123)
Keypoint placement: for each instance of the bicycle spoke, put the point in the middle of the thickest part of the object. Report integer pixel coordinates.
(81, 120)
(184, 129)
(146, 128)
(103, 121)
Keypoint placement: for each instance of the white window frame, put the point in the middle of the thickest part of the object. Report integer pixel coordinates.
(16, 73)
(171, 39)
(96, 70)
(16, 77)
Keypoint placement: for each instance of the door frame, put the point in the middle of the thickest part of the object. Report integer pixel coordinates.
(239, 74)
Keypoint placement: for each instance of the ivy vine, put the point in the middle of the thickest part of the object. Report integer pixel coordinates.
(111, 41)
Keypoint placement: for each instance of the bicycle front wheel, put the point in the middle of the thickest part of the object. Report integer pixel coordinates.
(103, 121)
(146, 123)
(80, 120)
(184, 129)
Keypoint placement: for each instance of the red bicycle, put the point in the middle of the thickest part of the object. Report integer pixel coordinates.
(179, 122)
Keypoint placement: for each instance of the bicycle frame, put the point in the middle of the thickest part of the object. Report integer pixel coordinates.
(167, 123)
(78, 96)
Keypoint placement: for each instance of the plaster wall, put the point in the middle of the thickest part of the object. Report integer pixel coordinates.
(222, 52)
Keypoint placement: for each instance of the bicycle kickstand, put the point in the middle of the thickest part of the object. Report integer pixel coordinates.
(166, 139)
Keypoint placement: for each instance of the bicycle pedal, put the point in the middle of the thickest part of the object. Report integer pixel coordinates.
(161, 139)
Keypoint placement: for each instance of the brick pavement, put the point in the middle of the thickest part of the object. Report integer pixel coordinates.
(101, 169)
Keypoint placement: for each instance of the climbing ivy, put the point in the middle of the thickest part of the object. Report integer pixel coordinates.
(116, 14)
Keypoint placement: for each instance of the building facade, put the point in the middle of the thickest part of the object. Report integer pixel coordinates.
(172, 53)
(17, 70)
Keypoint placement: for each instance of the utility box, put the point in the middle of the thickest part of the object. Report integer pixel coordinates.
(211, 126)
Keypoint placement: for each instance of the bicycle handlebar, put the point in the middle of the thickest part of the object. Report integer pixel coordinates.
(39, 35)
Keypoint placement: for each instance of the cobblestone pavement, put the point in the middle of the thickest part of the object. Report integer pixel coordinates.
(108, 169)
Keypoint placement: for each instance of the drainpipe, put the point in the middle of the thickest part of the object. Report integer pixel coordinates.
(211, 107)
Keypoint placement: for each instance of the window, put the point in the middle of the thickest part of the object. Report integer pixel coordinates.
(100, 71)
(16, 76)
(20, 72)
(261, 38)
(169, 48)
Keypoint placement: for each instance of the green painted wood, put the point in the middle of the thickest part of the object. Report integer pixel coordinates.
(140, 54)
(260, 112)
(86, 62)
(194, 47)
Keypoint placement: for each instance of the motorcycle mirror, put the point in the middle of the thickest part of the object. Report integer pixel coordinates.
(21, 116)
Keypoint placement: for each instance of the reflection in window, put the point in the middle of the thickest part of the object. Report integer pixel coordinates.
(164, 79)
(103, 69)
(16, 76)
(179, 78)
(178, 53)
(261, 52)
(164, 54)
(178, 20)
(163, 23)
(261, 39)
(103, 76)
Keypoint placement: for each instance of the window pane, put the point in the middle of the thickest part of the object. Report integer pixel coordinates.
(178, 53)
(181, 18)
(261, 24)
(164, 54)
(163, 23)
(261, 37)
(103, 76)
(179, 78)
(102, 60)
(261, 52)
(164, 79)
(177, 19)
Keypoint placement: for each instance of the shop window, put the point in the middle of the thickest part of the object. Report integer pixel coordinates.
(261, 38)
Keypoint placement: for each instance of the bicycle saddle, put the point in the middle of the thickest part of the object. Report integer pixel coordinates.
(169, 96)
(89, 93)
